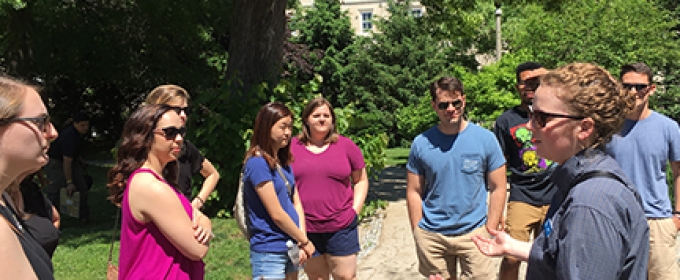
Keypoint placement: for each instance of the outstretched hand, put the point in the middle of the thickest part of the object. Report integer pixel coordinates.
(496, 246)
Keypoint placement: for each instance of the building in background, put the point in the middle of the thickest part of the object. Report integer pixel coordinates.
(362, 13)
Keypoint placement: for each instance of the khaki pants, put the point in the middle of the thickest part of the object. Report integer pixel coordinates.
(439, 254)
(523, 218)
(663, 263)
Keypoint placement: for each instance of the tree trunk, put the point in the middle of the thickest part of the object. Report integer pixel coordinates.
(256, 43)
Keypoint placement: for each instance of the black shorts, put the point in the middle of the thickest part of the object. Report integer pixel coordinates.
(344, 242)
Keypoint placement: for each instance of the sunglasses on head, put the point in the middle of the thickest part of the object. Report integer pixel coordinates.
(178, 110)
(541, 118)
(43, 123)
(531, 84)
(637, 87)
(445, 105)
(171, 132)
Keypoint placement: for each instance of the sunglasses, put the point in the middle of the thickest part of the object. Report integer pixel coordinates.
(445, 105)
(171, 132)
(178, 110)
(43, 123)
(531, 84)
(637, 87)
(541, 118)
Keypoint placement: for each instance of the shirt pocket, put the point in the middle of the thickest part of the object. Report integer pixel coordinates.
(471, 163)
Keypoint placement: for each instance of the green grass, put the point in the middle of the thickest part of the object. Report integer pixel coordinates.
(396, 156)
(83, 249)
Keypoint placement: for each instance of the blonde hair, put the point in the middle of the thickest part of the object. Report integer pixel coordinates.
(164, 94)
(12, 93)
(590, 91)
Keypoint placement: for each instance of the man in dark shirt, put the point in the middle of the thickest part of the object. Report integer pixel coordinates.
(65, 167)
(530, 188)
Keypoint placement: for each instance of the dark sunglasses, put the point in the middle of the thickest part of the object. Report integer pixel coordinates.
(445, 105)
(178, 110)
(637, 87)
(541, 118)
(43, 123)
(531, 84)
(171, 132)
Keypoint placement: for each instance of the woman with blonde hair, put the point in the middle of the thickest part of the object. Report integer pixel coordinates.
(191, 161)
(162, 235)
(25, 135)
(595, 227)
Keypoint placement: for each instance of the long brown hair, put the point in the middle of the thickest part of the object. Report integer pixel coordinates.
(135, 145)
(261, 141)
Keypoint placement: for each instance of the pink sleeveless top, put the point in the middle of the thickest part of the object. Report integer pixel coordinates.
(145, 253)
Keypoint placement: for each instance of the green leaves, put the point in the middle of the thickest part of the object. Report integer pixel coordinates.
(604, 32)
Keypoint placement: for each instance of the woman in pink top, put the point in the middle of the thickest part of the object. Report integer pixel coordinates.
(331, 177)
(162, 235)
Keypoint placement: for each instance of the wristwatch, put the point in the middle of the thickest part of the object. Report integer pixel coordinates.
(676, 214)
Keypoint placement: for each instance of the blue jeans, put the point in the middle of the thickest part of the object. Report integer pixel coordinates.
(271, 265)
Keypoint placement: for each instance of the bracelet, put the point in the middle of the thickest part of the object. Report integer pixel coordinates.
(69, 181)
(303, 244)
(200, 199)
(676, 212)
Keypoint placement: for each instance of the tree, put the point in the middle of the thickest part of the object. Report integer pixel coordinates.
(604, 32)
(327, 30)
(393, 68)
(104, 56)
(257, 33)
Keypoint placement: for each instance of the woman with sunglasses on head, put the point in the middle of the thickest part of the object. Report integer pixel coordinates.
(25, 135)
(595, 227)
(331, 175)
(191, 161)
(273, 204)
(162, 235)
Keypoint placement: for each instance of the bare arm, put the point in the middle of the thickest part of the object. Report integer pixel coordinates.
(675, 166)
(497, 193)
(56, 219)
(67, 164)
(414, 199)
(309, 247)
(211, 178)
(12, 259)
(360, 180)
(279, 216)
(153, 201)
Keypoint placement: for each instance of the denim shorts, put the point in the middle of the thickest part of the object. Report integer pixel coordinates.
(344, 242)
(271, 265)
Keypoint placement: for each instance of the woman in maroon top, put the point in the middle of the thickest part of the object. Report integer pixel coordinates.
(331, 177)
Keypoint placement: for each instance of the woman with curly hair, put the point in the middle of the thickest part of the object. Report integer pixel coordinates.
(161, 233)
(595, 227)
